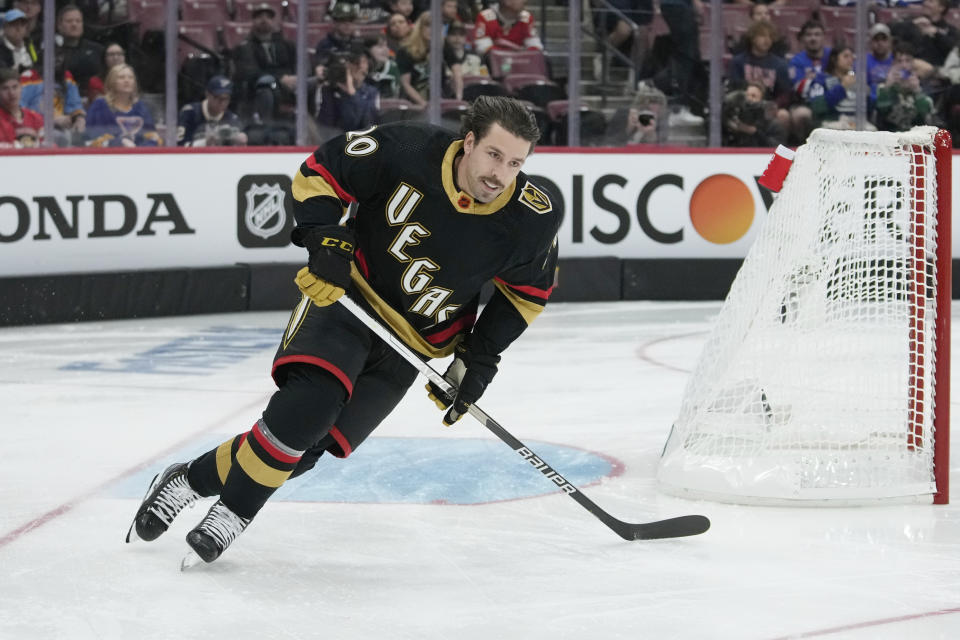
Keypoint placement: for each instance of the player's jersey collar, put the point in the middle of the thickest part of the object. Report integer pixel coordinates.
(463, 201)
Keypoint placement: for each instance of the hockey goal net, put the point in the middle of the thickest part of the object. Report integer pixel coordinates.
(825, 379)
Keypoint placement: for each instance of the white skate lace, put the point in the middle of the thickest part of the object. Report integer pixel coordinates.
(173, 498)
(223, 525)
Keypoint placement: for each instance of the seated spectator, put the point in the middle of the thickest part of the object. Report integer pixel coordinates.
(832, 96)
(456, 57)
(398, 28)
(901, 103)
(879, 58)
(342, 39)
(806, 67)
(81, 57)
(384, 72)
(414, 65)
(15, 51)
(506, 25)
(347, 101)
(113, 54)
(119, 118)
(748, 120)
(450, 12)
(19, 127)
(760, 66)
(33, 9)
(210, 123)
(69, 118)
(403, 7)
(760, 12)
(266, 68)
(931, 36)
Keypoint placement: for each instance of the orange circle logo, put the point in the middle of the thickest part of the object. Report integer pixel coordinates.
(721, 209)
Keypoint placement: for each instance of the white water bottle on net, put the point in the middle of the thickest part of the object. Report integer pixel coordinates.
(826, 377)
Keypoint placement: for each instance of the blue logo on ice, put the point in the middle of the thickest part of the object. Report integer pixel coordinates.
(422, 471)
(198, 354)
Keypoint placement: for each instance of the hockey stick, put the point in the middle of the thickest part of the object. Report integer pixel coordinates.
(670, 528)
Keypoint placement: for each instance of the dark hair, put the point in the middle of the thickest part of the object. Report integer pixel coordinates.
(7, 74)
(831, 65)
(510, 114)
(904, 47)
(67, 7)
(809, 24)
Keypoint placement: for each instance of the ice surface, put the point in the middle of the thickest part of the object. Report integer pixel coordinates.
(426, 532)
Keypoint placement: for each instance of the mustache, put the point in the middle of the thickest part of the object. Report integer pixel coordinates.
(493, 182)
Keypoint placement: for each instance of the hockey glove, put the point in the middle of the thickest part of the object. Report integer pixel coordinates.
(327, 274)
(469, 373)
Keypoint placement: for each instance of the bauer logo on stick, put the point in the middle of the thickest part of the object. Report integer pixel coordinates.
(776, 171)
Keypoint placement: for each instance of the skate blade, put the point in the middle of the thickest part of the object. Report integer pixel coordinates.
(132, 533)
(190, 560)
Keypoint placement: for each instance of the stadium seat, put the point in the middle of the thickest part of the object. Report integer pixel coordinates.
(315, 32)
(367, 30)
(736, 19)
(234, 33)
(502, 63)
(534, 88)
(316, 10)
(211, 11)
(475, 86)
(838, 18)
(397, 109)
(593, 124)
(151, 15)
(243, 9)
(202, 33)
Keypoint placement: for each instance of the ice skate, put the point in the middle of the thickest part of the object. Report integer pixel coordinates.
(168, 495)
(213, 535)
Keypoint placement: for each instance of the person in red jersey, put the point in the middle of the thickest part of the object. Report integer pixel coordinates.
(19, 127)
(507, 25)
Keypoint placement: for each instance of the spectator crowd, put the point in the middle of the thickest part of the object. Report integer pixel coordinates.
(788, 67)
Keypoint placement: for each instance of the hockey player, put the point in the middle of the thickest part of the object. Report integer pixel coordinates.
(437, 216)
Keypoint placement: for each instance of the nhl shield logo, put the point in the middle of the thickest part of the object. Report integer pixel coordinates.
(264, 211)
(265, 216)
(535, 198)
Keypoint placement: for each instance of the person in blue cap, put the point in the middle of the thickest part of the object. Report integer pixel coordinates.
(210, 122)
(14, 52)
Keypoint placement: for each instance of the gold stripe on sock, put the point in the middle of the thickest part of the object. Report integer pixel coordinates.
(224, 460)
(258, 470)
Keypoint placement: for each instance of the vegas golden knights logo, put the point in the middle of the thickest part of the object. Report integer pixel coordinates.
(534, 198)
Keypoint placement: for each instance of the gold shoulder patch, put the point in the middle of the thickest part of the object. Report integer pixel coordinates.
(534, 198)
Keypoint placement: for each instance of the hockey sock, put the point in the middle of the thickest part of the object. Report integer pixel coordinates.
(208, 472)
(299, 414)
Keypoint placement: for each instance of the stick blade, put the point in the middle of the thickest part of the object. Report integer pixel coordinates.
(670, 528)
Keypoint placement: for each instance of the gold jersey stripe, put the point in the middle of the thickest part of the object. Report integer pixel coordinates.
(306, 187)
(529, 310)
(396, 321)
(224, 460)
(258, 470)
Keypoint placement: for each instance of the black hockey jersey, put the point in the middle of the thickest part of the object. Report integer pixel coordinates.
(425, 248)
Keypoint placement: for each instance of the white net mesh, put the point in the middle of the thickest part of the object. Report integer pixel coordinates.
(816, 383)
